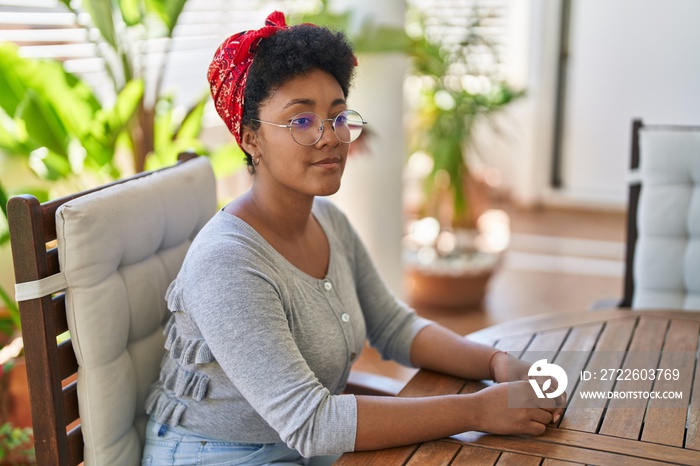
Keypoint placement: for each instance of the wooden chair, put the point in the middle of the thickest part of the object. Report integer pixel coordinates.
(97, 264)
(662, 263)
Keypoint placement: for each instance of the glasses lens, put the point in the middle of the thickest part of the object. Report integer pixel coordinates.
(348, 125)
(306, 128)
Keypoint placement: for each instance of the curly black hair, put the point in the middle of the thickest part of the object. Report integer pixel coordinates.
(293, 52)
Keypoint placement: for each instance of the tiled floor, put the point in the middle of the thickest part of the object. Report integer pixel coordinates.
(558, 260)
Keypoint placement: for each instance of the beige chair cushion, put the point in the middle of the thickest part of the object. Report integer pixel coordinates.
(667, 257)
(119, 249)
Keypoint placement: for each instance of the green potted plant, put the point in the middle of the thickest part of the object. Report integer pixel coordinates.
(453, 93)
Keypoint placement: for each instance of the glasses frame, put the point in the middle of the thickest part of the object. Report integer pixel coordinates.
(323, 126)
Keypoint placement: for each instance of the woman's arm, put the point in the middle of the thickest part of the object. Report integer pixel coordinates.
(442, 350)
(384, 422)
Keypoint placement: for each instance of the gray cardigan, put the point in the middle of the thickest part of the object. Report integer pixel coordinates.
(260, 352)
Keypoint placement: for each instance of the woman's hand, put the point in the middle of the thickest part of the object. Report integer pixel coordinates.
(501, 410)
(506, 368)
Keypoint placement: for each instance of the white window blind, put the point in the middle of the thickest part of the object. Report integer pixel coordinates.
(449, 22)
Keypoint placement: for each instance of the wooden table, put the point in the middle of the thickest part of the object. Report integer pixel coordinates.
(646, 434)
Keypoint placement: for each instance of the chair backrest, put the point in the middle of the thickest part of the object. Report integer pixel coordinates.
(663, 234)
(117, 249)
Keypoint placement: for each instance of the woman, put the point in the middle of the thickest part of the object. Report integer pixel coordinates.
(277, 294)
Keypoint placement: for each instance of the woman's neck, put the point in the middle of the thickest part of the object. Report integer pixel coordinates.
(282, 214)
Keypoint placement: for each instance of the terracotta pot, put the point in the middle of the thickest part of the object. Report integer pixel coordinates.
(457, 291)
(15, 396)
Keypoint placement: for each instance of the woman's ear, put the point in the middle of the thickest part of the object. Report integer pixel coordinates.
(249, 141)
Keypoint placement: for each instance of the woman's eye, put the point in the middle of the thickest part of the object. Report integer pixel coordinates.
(341, 120)
(302, 121)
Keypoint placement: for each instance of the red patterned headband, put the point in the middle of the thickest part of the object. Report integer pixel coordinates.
(228, 71)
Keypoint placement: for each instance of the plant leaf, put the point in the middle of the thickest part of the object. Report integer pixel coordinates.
(163, 132)
(126, 104)
(12, 71)
(108, 123)
(72, 100)
(43, 125)
(102, 16)
(13, 310)
(101, 138)
(192, 123)
(168, 11)
(13, 138)
(49, 165)
(131, 12)
(3, 200)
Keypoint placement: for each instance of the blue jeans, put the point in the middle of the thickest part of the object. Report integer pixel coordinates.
(175, 446)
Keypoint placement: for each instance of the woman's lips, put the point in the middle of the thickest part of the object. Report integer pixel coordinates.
(329, 162)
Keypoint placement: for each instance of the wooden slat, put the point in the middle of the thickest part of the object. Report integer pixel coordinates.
(624, 417)
(545, 345)
(665, 420)
(52, 261)
(67, 363)
(515, 345)
(575, 352)
(551, 462)
(429, 383)
(365, 383)
(75, 445)
(515, 459)
(469, 455)
(583, 337)
(70, 402)
(692, 435)
(585, 415)
(434, 453)
(389, 457)
(59, 313)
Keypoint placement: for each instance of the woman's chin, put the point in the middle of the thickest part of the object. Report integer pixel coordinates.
(328, 190)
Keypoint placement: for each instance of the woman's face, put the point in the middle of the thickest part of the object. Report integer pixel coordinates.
(309, 170)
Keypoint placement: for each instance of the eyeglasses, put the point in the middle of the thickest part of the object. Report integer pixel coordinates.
(307, 128)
